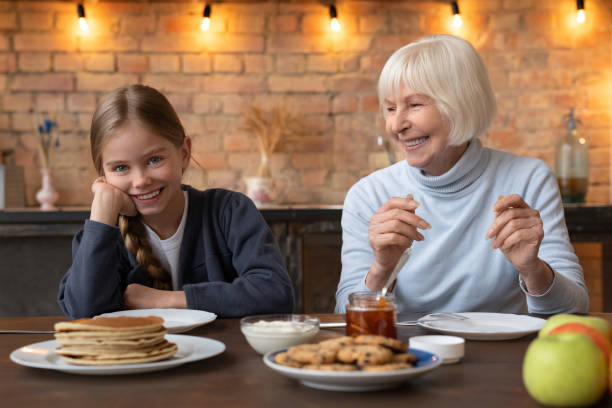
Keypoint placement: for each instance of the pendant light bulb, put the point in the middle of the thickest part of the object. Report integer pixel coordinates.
(457, 20)
(205, 26)
(333, 15)
(580, 14)
(83, 26)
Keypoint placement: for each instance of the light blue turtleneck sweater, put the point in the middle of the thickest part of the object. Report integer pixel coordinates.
(454, 269)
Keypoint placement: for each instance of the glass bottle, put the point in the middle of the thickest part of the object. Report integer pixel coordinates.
(572, 163)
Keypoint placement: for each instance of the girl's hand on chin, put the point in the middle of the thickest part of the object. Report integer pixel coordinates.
(119, 200)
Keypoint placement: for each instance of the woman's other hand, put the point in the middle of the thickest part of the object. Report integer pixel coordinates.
(392, 229)
(517, 231)
(109, 202)
(137, 296)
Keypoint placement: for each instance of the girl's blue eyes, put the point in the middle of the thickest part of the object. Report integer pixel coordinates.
(122, 167)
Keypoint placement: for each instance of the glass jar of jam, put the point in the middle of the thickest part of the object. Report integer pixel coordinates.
(370, 313)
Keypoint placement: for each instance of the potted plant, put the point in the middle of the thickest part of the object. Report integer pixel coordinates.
(273, 129)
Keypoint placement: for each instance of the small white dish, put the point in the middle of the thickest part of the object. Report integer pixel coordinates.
(271, 332)
(450, 348)
(175, 320)
(190, 348)
(486, 326)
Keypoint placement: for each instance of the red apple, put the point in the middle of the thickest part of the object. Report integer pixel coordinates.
(599, 339)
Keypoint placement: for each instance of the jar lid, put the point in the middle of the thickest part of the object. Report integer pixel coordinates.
(449, 348)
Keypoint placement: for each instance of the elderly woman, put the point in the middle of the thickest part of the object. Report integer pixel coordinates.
(486, 228)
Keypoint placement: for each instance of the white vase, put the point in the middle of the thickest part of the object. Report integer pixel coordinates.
(47, 196)
(262, 190)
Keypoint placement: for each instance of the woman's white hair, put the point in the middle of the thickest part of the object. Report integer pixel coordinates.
(450, 71)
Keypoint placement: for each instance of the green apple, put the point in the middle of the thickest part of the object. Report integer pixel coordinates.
(565, 369)
(596, 322)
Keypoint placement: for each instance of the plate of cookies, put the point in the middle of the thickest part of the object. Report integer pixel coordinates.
(115, 345)
(361, 363)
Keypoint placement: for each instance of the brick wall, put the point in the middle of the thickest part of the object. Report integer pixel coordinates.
(541, 64)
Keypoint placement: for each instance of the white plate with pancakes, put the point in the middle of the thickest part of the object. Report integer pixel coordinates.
(190, 348)
(175, 320)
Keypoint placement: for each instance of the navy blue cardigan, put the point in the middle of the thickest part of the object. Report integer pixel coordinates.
(229, 262)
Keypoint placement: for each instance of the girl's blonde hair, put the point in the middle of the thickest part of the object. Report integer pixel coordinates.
(147, 107)
(450, 71)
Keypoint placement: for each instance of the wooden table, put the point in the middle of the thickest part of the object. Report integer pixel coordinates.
(489, 375)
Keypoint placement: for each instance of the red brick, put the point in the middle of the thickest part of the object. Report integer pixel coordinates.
(505, 21)
(100, 62)
(293, 43)
(44, 42)
(598, 99)
(302, 83)
(258, 64)
(8, 21)
(233, 104)
(223, 179)
(137, 25)
(81, 102)
(50, 102)
(203, 140)
(245, 23)
(103, 82)
(248, 161)
(290, 64)
(164, 63)
(343, 179)
(7, 62)
(373, 63)
(68, 62)
(17, 102)
(598, 194)
(197, 63)
(353, 83)
(174, 82)
(350, 64)
(217, 160)
(34, 62)
(35, 21)
(7, 142)
(3, 82)
(234, 84)
(285, 23)
(308, 160)
(234, 43)
(179, 24)
(307, 104)
(322, 63)
(4, 42)
(599, 157)
(181, 102)
(227, 63)
(369, 103)
(131, 63)
(220, 123)
(595, 119)
(569, 99)
(344, 103)
(374, 23)
(108, 43)
(43, 82)
(535, 100)
(315, 177)
(316, 23)
(204, 103)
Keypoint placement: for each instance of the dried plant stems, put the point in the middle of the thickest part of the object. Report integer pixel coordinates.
(273, 129)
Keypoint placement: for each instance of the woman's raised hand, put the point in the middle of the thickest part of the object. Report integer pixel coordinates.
(109, 202)
(392, 229)
(517, 231)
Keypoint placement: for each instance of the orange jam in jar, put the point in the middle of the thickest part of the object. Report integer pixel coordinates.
(370, 313)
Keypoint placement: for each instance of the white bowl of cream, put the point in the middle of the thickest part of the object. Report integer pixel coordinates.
(273, 332)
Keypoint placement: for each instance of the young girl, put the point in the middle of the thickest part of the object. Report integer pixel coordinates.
(175, 246)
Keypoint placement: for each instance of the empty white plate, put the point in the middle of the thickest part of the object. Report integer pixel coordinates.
(175, 320)
(486, 326)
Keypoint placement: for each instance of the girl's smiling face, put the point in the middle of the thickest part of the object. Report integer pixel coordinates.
(149, 169)
(415, 121)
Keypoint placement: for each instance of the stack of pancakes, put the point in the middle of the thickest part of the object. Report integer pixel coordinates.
(113, 340)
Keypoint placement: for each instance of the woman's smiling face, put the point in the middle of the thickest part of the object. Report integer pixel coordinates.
(415, 121)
